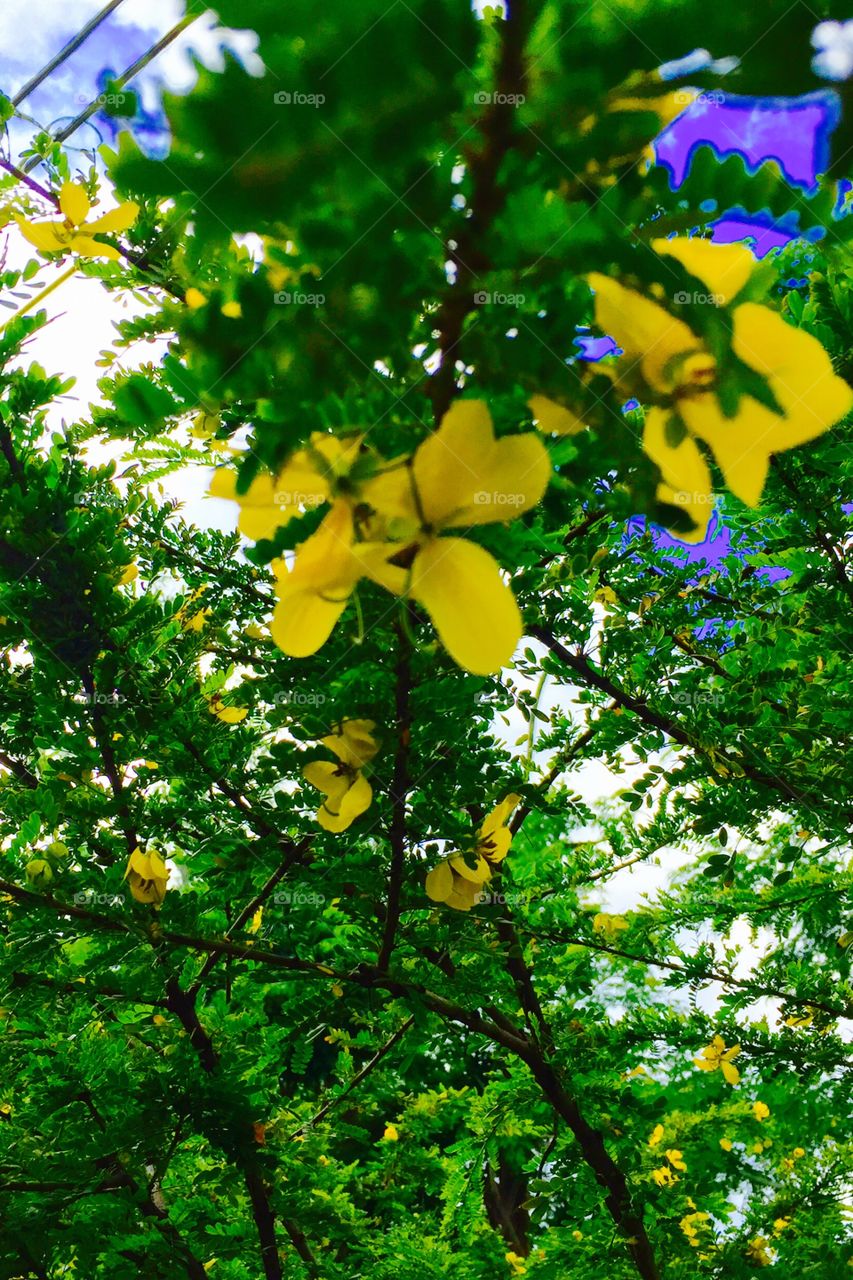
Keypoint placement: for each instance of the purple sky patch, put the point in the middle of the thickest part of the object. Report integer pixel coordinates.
(793, 131)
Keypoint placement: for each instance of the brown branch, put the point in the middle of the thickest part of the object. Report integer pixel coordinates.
(251, 907)
(19, 770)
(487, 199)
(399, 796)
(705, 975)
(360, 1075)
(591, 676)
(607, 1173)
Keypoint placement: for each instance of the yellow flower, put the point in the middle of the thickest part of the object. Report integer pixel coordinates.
(678, 370)
(691, 1223)
(458, 477)
(716, 1057)
(676, 1159)
(74, 234)
(198, 621)
(390, 1134)
(609, 926)
(664, 1177)
(312, 476)
(760, 1110)
(656, 1135)
(228, 715)
(517, 1263)
(148, 876)
(726, 1144)
(798, 1153)
(456, 882)
(347, 792)
(757, 1252)
(194, 298)
(130, 572)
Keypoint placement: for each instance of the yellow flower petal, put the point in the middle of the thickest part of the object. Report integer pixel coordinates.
(194, 298)
(810, 394)
(89, 248)
(685, 475)
(500, 815)
(354, 742)
(474, 612)
(723, 268)
(647, 333)
(465, 893)
(447, 465)
(118, 219)
(231, 715)
(478, 874)
(314, 594)
(74, 202)
(303, 622)
(554, 418)
(730, 1072)
(513, 476)
(439, 882)
(147, 875)
(329, 778)
(495, 845)
(46, 236)
(356, 800)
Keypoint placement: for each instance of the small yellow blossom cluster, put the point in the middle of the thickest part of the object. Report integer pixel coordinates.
(390, 522)
(347, 793)
(692, 1224)
(666, 365)
(609, 926)
(757, 1252)
(458, 881)
(664, 1176)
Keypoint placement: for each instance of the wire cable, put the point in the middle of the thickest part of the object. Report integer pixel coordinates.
(65, 52)
(119, 83)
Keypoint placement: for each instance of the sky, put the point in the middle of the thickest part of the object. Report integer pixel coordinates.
(795, 133)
